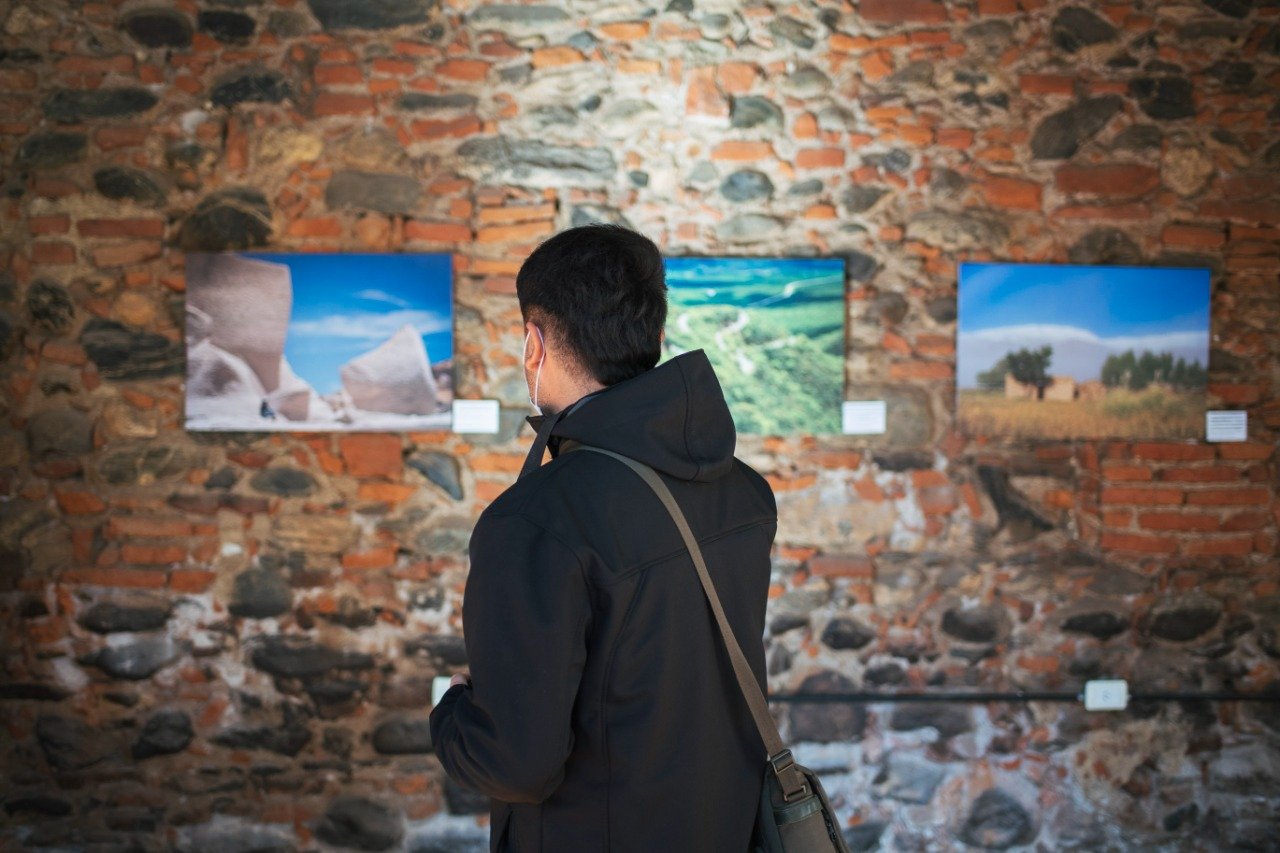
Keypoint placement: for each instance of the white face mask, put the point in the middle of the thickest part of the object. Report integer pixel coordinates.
(537, 376)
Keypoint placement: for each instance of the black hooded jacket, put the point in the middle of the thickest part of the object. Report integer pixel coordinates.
(603, 714)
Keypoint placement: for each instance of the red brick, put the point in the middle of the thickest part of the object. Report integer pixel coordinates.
(1246, 521)
(1229, 497)
(737, 78)
(391, 493)
(454, 128)
(147, 526)
(121, 136)
(437, 232)
(833, 565)
(1186, 521)
(152, 555)
(1246, 451)
(52, 252)
(376, 558)
(1242, 211)
(488, 491)
(556, 57)
(702, 97)
(1196, 236)
(935, 370)
(372, 455)
(997, 7)
(1210, 474)
(525, 232)
(903, 11)
(1235, 394)
(339, 104)
(626, 30)
(1119, 471)
(938, 500)
(1139, 542)
(1122, 179)
(51, 224)
(120, 227)
(1047, 84)
(1145, 496)
(338, 75)
(1172, 452)
(124, 254)
(116, 577)
(819, 158)
(1013, 193)
(739, 151)
(515, 213)
(506, 463)
(955, 137)
(79, 503)
(395, 67)
(191, 580)
(463, 69)
(1220, 547)
(315, 226)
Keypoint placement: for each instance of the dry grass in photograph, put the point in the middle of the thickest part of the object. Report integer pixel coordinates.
(1153, 412)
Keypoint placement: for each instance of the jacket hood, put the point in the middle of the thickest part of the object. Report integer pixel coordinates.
(673, 418)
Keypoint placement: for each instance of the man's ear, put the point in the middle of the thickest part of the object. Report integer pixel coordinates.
(535, 346)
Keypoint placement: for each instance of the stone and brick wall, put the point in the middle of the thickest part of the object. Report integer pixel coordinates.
(226, 641)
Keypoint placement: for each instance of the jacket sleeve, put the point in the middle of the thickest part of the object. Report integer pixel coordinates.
(525, 614)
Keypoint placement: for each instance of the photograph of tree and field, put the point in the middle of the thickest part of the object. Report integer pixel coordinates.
(773, 329)
(1048, 351)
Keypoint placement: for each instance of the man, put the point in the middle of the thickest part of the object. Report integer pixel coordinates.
(601, 712)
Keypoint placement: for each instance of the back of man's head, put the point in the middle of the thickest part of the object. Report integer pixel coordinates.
(600, 292)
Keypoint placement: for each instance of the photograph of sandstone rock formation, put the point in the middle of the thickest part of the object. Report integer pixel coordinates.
(318, 341)
(1066, 351)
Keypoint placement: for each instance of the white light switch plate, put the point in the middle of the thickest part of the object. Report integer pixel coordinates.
(1111, 694)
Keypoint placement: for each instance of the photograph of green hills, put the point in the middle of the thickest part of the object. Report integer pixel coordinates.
(773, 329)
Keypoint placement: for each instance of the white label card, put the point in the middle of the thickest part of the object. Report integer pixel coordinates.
(475, 416)
(864, 417)
(1226, 426)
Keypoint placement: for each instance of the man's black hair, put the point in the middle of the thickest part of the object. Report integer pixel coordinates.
(600, 291)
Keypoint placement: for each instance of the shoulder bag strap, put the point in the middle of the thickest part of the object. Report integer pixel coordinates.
(779, 756)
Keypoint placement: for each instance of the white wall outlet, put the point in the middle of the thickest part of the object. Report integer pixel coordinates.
(1111, 694)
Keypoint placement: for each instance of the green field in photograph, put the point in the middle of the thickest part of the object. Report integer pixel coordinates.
(773, 329)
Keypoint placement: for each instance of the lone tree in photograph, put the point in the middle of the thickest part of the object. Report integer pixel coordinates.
(1031, 367)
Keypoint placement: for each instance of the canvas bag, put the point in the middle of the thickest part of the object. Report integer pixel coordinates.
(794, 815)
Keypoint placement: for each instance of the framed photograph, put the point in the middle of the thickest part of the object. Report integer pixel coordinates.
(1048, 351)
(295, 342)
(773, 328)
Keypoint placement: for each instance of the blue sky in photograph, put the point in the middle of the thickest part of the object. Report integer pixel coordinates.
(1085, 313)
(348, 304)
(1108, 301)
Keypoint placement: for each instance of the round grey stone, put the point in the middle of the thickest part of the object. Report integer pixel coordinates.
(50, 306)
(157, 26)
(107, 617)
(259, 594)
(74, 105)
(996, 822)
(364, 15)
(165, 733)
(746, 185)
(124, 182)
(62, 431)
(352, 821)
(51, 150)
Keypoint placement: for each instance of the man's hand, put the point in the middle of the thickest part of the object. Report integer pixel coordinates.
(462, 678)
